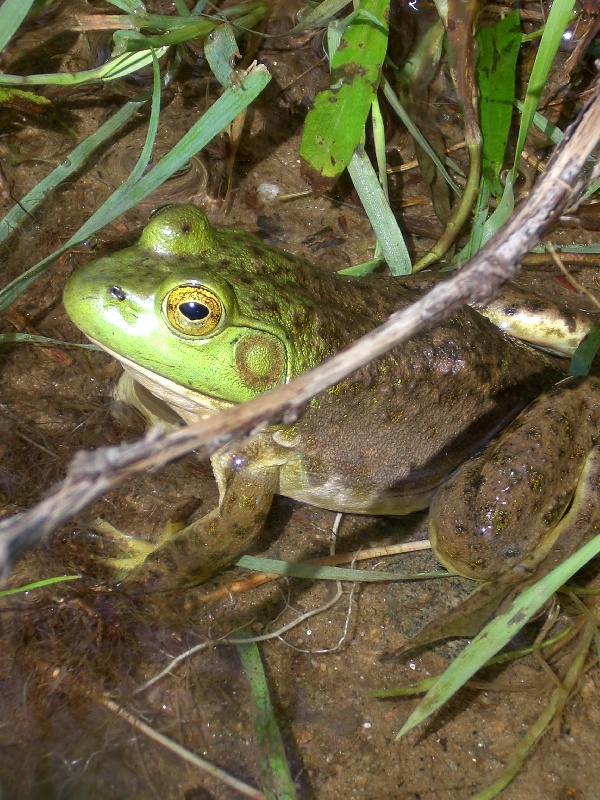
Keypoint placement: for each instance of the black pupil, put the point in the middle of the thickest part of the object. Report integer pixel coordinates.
(194, 311)
(117, 293)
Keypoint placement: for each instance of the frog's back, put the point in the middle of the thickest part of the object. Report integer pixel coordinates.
(382, 440)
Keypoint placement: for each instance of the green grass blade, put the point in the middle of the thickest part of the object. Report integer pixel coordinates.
(503, 210)
(319, 16)
(497, 634)
(130, 6)
(380, 214)
(394, 101)
(32, 338)
(218, 116)
(561, 12)
(276, 777)
(12, 14)
(324, 572)
(116, 68)
(30, 587)
(146, 154)
(549, 129)
(71, 164)
(335, 125)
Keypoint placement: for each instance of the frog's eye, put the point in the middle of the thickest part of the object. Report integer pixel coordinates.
(159, 209)
(193, 310)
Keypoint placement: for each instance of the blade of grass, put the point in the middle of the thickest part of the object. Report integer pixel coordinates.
(218, 116)
(71, 164)
(31, 338)
(319, 17)
(549, 714)
(146, 154)
(30, 587)
(277, 780)
(380, 214)
(117, 67)
(561, 12)
(414, 131)
(12, 14)
(321, 572)
(130, 6)
(497, 634)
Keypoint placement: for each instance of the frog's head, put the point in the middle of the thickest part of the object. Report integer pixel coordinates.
(176, 304)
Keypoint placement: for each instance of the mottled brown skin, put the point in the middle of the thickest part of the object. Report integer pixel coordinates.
(536, 465)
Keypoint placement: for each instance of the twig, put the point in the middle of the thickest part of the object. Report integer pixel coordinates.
(186, 755)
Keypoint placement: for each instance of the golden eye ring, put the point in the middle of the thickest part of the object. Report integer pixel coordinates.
(193, 310)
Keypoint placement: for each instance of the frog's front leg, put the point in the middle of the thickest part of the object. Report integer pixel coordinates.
(248, 480)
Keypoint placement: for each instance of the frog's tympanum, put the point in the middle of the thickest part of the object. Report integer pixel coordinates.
(202, 318)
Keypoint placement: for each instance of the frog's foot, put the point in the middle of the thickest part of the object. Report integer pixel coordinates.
(189, 555)
(463, 621)
(183, 556)
(136, 550)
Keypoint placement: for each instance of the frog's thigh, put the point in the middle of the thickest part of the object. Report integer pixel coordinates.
(505, 510)
(203, 548)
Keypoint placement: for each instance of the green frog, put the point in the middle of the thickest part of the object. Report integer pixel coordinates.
(202, 318)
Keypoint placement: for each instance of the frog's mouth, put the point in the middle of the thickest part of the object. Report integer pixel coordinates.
(185, 402)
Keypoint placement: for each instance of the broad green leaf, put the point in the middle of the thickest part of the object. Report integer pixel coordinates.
(335, 126)
(496, 73)
(558, 19)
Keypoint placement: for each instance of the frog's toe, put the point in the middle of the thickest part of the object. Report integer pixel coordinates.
(135, 550)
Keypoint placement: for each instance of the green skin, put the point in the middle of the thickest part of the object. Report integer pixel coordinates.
(383, 441)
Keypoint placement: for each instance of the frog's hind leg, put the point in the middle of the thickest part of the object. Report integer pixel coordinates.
(514, 513)
(580, 522)
(540, 322)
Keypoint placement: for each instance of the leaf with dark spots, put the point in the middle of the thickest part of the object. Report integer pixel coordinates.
(335, 126)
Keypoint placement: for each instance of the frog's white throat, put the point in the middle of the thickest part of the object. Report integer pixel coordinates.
(160, 399)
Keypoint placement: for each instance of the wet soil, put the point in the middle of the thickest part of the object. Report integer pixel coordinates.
(69, 647)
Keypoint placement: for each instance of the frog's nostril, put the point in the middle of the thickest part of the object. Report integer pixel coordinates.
(117, 293)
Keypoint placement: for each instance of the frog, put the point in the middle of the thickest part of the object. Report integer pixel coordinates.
(463, 419)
